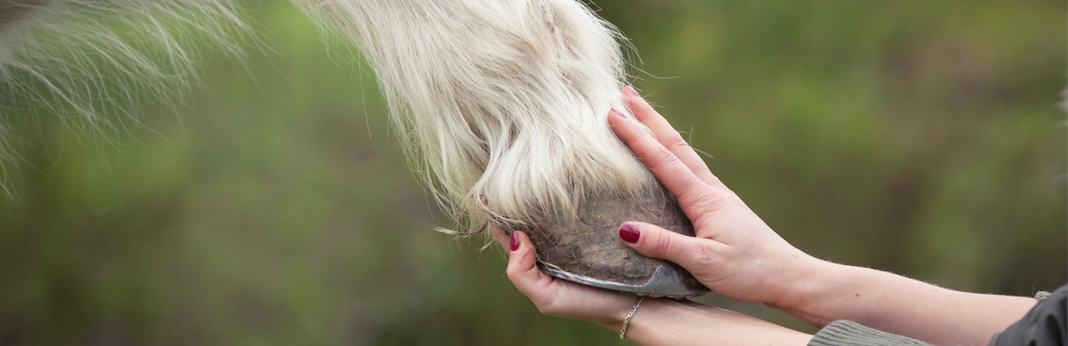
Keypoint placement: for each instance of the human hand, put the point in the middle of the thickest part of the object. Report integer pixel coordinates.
(558, 297)
(657, 322)
(734, 252)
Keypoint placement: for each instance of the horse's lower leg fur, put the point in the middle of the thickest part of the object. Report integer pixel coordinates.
(91, 62)
(501, 102)
(504, 103)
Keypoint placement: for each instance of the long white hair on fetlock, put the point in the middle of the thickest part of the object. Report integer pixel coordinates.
(91, 62)
(503, 103)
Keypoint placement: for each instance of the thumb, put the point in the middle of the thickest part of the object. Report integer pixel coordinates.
(522, 269)
(650, 240)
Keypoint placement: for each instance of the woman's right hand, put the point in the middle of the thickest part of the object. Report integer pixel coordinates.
(734, 253)
(737, 255)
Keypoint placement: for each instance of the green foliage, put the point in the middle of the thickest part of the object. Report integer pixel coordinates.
(921, 138)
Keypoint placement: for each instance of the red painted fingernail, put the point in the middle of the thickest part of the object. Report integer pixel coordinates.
(515, 241)
(629, 233)
(620, 114)
(631, 90)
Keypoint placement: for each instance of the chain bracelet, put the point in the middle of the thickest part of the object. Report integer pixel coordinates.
(623, 331)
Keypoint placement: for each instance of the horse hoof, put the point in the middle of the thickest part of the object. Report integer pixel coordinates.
(590, 251)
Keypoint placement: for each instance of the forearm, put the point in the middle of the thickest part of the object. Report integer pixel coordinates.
(669, 322)
(901, 305)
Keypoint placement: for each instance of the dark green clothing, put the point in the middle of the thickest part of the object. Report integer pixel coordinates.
(849, 333)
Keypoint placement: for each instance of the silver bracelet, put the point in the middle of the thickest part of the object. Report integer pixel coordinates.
(623, 331)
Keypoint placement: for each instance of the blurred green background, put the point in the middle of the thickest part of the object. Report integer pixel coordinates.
(919, 137)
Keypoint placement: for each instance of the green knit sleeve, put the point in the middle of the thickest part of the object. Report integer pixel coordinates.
(848, 333)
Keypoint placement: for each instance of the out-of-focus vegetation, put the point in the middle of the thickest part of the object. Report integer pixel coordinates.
(919, 137)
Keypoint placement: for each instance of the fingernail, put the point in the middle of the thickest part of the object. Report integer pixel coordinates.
(620, 114)
(629, 233)
(631, 90)
(515, 241)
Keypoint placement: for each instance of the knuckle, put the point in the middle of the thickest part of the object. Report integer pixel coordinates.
(662, 243)
(514, 272)
(704, 256)
(513, 275)
(546, 307)
(665, 158)
(675, 140)
(628, 137)
(705, 200)
(678, 169)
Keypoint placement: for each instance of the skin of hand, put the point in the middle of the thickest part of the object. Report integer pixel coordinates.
(734, 253)
(656, 322)
(737, 255)
(556, 297)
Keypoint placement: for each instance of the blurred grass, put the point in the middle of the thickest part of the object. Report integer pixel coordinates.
(917, 137)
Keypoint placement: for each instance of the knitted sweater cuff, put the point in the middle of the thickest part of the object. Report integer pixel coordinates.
(848, 333)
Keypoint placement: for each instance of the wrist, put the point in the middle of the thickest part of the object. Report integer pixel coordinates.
(649, 319)
(802, 293)
(660, 321)
(614, 317)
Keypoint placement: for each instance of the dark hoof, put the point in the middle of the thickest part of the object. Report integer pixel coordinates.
(666, 281)
(590, 251)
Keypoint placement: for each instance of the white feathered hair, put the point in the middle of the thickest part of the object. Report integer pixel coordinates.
(90, 61)
(503, 103)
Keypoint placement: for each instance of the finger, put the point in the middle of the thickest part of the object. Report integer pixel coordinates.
(668, 136)
(522, 269)
(693, 253)
(499, 235)
(690, 190)
(558, 297)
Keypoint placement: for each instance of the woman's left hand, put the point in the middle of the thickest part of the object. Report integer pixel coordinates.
(557, 297)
